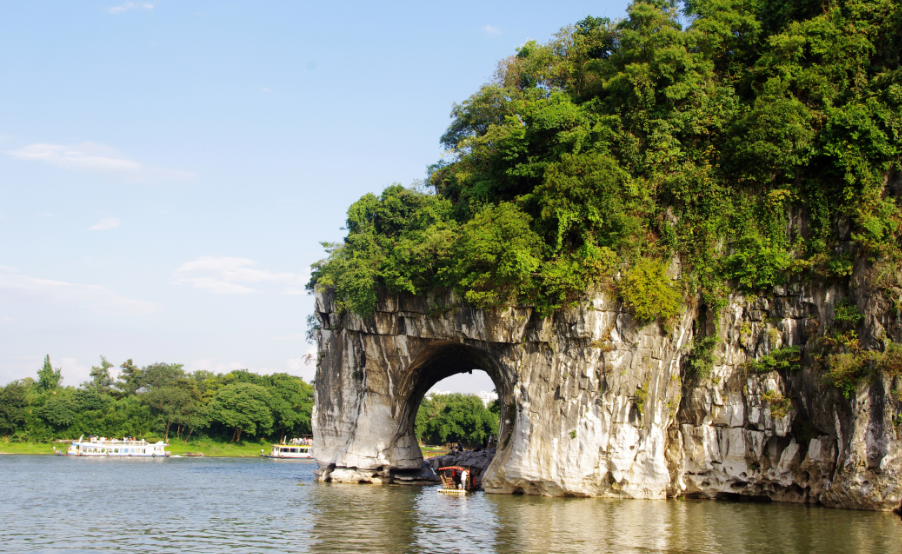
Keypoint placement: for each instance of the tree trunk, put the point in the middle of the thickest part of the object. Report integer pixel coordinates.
(239, 435)
(166, 437)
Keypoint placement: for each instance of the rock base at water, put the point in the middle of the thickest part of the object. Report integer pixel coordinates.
(478, 461)
(380, 476)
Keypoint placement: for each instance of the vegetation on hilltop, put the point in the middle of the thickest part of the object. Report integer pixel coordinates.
(621, 144)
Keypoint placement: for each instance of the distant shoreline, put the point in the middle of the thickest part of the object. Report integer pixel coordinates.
(206, 449)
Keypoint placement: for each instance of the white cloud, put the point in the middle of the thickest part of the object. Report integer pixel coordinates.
(73, 372)
(226, 275)
(23, 288)
(305, 366)
(126, 6)
(210, 364)
(96, 159)
(491, 30)
(105, 223)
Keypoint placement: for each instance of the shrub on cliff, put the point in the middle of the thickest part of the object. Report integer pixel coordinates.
(646, 289)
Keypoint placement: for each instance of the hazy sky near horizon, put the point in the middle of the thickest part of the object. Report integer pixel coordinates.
(168, 169)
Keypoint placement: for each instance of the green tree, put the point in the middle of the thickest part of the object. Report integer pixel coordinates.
(60, 411)
(291, 404)
(173, 404)
(243, 407)
(131, 378)
(160, 375)
(101, 381)
(49, 378)
(13, 407)
(461, 418)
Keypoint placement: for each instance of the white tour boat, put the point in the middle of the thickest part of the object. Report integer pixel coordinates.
(125, 448)
(297, 449)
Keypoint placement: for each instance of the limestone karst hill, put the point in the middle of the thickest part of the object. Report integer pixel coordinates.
(676, 250)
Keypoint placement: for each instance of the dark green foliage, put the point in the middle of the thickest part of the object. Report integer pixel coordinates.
(59, 410)
(846, 316)
(49, 378)
(496, 255)
(130, 377)
(13, 404)
(243, 407)
(101, 381)
(457, 418)
(160, 375)
(172, 403)
(159, 400)
(291, 404)
(702, 355)
(640, 139)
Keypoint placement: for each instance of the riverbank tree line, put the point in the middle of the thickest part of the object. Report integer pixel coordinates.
(163, 400)
(157, 400)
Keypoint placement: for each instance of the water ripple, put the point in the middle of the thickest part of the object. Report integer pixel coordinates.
(201, 505)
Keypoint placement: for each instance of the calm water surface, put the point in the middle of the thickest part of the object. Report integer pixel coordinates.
(53, 504)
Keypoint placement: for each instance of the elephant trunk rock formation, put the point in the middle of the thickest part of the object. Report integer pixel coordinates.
(595, 404)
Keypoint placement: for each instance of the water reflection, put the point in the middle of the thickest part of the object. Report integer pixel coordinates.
(361, 518)
(55, 504)
(608, 525)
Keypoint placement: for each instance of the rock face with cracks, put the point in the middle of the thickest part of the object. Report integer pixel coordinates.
(596, 404)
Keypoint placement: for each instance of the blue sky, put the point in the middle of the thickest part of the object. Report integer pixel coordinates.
(168, 169)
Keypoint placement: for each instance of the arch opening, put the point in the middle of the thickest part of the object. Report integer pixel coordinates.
(462, 409)
(439, 361)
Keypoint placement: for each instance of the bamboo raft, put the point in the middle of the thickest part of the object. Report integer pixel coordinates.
(447, 474)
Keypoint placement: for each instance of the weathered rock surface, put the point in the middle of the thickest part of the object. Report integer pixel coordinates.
(594, 404)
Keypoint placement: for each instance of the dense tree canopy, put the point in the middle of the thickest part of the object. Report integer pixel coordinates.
(456, 418)
(642, 139)
(158, 400)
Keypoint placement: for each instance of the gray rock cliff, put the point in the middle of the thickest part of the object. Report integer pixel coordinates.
(595, 404)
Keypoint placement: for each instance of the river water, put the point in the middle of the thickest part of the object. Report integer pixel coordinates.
(57, 504)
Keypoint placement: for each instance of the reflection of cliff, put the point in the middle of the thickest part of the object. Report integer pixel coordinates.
(359, 519)
(611, 525)
(596, 405)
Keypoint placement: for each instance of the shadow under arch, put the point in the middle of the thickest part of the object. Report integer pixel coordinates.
(440, 360)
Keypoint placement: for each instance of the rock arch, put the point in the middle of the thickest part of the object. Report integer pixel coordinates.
(441, 359)
(595, 404)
